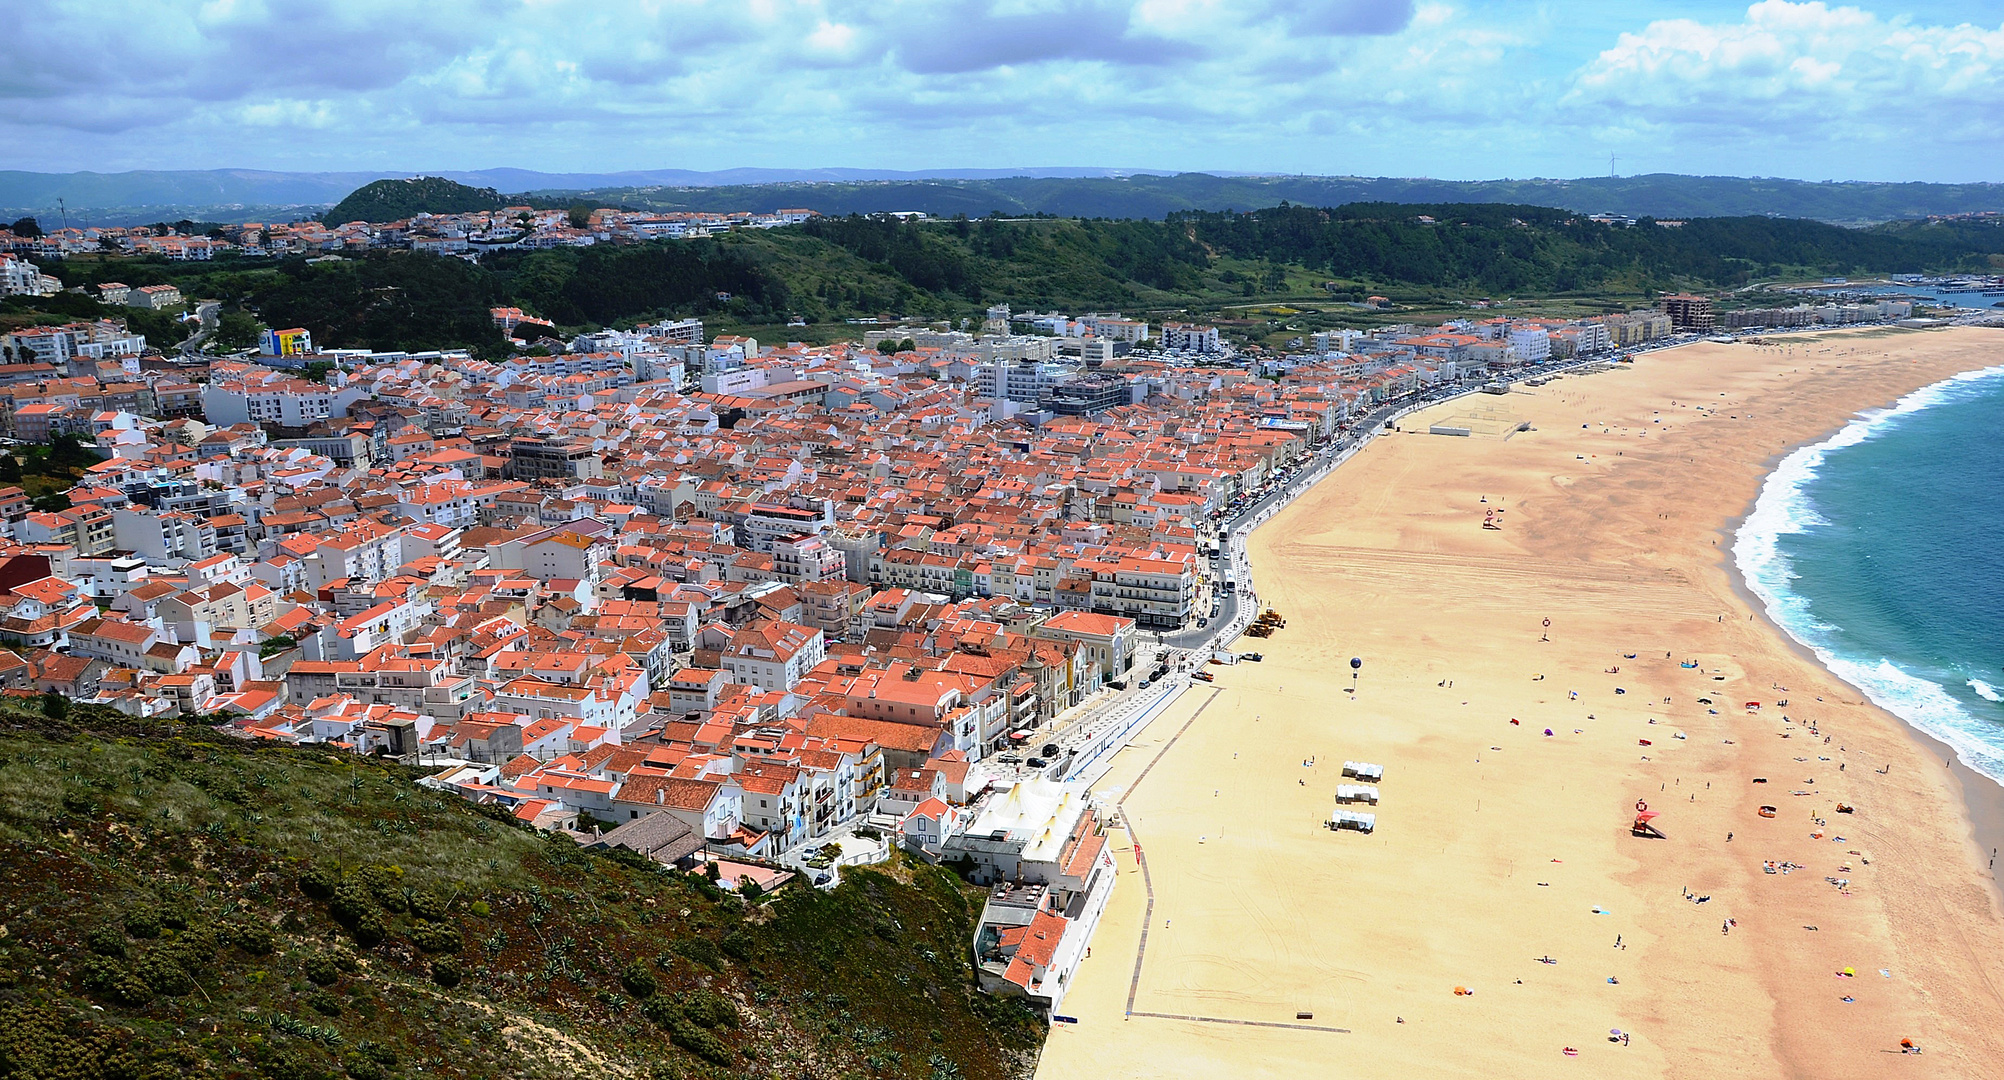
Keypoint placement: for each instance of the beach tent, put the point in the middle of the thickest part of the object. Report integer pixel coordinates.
(1351, 819)
(1356, 793)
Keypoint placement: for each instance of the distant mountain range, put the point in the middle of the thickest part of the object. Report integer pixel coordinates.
(246, 194)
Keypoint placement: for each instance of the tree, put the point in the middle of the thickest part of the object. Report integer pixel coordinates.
(27, 227)
(580, 215)
(55, 706)
(236, 330)
(10, 470)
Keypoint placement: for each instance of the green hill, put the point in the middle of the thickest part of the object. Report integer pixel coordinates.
(1196, 262)
(1145, 196)
(394, 200)
(178, 903)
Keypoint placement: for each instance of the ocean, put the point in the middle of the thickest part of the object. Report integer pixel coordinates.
(1881, 549)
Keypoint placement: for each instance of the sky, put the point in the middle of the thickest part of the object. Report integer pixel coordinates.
(1462, 89)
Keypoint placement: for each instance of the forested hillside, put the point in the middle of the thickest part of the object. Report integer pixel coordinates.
(1506, 249)
(395, 200)
(832, 269)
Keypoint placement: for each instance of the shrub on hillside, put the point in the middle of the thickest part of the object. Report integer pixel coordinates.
(638, 980)
(351, 902)
(142, 921)
(703, 1044)
(162, 971)
(702, 950)
(426, 904)
(106, 941)
(711, 1009)
(112, 981)
(254, 938)
(740, 944)
(385, 885)
(370, 930)
(436, 937)
(321, 970)
(319, 882)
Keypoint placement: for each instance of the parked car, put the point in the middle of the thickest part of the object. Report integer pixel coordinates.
(1252, 656)
(1203, 676)
(1050, 749)
(1038, 763)
(1117, 684)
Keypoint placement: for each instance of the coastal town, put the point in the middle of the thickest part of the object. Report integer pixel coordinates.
(1100, 540)
(758, 609)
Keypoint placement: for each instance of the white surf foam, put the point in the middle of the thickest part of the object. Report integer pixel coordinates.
(1985, 691)
(1783, 509)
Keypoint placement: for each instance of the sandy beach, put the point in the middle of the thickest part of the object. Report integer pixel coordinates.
(1278, 948)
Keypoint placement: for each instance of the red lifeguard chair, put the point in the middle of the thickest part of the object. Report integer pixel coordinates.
(1642, 825)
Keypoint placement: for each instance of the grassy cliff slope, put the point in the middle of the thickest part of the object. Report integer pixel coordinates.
(177, 903)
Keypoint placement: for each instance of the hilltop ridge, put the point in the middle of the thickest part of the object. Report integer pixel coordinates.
(255, 195)
(394, 200)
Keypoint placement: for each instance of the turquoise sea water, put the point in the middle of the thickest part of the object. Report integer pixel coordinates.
(1882, 550)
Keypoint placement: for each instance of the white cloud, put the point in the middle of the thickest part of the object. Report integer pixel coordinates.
(1442, 87)
(1802, 70)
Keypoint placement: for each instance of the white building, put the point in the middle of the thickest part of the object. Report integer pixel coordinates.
(1532, 343)
(285, 402)
(1190, 337)
(1028, 382)
(774, 655)
(1042, 847)
(19, 277)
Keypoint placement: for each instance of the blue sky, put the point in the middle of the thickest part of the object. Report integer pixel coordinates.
(1879, 90)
